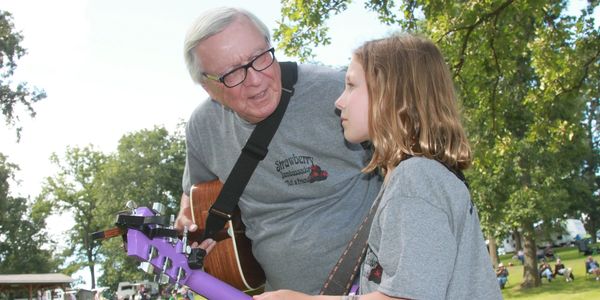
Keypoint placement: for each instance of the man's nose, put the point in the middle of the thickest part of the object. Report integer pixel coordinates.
(253, 77)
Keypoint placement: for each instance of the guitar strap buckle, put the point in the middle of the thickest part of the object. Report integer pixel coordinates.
(223, 215)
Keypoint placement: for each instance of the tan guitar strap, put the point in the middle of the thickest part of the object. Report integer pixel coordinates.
(341, 277)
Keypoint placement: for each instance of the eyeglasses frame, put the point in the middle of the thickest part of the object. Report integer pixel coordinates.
(247, 66)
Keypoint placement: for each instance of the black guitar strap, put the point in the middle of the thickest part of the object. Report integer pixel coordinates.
(254, 151)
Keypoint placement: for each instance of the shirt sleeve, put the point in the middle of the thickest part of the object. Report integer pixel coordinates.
(417, 250)
(195, 170)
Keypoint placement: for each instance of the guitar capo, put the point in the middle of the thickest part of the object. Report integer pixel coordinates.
(143, 224)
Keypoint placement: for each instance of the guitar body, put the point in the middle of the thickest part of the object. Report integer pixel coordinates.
(231, 260)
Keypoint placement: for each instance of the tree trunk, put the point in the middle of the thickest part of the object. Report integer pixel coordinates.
(91, 265)
(591, 227)
(493, 249)
(518, 240)
(531, 278)
(93, 275)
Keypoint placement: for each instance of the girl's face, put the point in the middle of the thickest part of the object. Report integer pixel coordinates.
(354, 105)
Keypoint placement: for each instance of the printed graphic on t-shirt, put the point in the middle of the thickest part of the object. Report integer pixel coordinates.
(375, 274)
(299, 169)
(372, 270)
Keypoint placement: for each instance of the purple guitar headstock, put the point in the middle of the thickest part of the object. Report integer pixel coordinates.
(167, 258)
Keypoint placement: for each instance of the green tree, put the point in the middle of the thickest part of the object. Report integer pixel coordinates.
(74, 190)
(13, 96)
(94, 187)
(524, 71)
(588, 187)
(147, 168)
(24, 246)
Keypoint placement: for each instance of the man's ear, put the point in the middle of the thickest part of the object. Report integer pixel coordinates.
(211, 89)
(204, 85)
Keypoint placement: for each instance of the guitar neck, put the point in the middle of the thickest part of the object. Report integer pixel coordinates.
(212, 288)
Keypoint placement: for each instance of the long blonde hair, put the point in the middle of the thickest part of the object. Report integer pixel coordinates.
(413, 109)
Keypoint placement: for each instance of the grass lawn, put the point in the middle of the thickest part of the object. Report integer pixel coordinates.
(583, 287)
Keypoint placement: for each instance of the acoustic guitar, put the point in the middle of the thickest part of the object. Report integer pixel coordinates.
(231, 260)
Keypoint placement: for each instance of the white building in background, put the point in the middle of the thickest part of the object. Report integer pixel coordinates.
(573, 230)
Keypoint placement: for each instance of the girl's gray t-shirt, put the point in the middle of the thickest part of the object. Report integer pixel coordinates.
(426, 241)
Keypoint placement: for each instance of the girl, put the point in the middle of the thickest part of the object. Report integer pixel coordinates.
(425, 241)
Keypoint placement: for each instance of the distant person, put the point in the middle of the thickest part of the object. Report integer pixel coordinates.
(142, 294)
(173, 295)
(521, 256)
(592, 267)
(549, 252)
(502, 275)
(545, 271)
(560, 269)
(425, 240)
(187, 293)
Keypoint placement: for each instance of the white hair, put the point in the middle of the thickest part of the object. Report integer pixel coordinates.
(208, 24)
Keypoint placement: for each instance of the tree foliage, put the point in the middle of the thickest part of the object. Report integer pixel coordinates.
(147, 168)
(13, 96)
(94, 187)
(24, 246)
(527, 73)
(74, 191)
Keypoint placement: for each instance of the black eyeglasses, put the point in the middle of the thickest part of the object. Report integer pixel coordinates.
(236, 76)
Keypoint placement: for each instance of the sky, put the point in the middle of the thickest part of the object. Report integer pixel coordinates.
(112, 67)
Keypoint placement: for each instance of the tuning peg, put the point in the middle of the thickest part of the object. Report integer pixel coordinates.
(147, 267)
(158, 208)
(162, 279)
(131, 205)
(180, 274)
(184, 242)
(166, 264)
(152, 253)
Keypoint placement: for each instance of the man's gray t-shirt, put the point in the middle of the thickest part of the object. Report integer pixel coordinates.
(426, 240)
(307, 197)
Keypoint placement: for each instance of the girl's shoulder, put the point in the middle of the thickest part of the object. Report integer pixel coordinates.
(426, 178)
(418, 167)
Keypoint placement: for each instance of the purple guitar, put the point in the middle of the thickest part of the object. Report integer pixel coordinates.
(166, 257)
